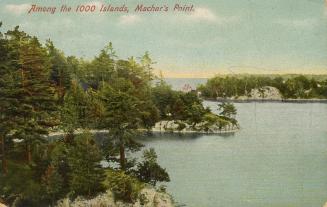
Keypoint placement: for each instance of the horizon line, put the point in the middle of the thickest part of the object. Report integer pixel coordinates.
(206, 75)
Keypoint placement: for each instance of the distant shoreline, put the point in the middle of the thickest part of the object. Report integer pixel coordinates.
(250, 100)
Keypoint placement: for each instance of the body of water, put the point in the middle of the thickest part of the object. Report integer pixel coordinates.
(277, 159)
(180, 83)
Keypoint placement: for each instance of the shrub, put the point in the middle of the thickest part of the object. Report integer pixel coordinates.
(123, 186)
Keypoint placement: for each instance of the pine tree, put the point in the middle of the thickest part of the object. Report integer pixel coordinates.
(81, 109)
(6, 82)
(149, 170)
(52, 182)
(146, 62)
(122, 119)
(102, 69)
(60, 74)
(87, 175)
(33, 113)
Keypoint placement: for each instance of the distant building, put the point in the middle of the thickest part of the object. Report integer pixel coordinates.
(187, 88)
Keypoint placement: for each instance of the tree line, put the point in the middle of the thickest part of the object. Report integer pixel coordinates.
(290, 87)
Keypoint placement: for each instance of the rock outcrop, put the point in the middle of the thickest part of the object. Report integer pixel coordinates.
(151, 198)
(267, 92)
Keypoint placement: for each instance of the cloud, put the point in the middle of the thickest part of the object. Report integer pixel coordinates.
(202, 14)
(129, 19)
(56, 24)
(205, 14)
(17, 9)
(298, 23)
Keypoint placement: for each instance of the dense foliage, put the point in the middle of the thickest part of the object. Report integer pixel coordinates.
(294, 86)
(42, 91)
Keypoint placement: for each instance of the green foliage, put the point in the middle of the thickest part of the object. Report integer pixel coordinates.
(101, 69)
(124, 187)
(29, 95)
(149, 171)
(40, 87)
(81, 109)
(53, 183)
(58, 160)
(177, 105)
(86, 174)
(60, 73)
(122, 118)
(296, 86)
(227, 109)
(63, 169)
(164, 98)
(195, 113)
(20, 185)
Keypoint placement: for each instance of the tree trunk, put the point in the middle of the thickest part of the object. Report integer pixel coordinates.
(3, 158)
(28, 154)
(61, 87)
(122, 157)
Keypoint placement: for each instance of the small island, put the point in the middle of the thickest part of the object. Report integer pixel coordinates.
(265, 88)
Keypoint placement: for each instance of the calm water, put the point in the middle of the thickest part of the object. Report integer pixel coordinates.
(179, 83)
(277, 159)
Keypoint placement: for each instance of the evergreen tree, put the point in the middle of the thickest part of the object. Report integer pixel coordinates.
(122, 119)
(195, 114)
(26, 95)
(59, 70)
(227, 109)
(36, 95)
(149, 170)
(74, 109)
(81, 109)
(87, 175)
(6, 98)
(147, 63)
(52, 182)
(102, 68)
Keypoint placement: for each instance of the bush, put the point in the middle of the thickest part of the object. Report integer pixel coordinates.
(20, 187)
(124, 187)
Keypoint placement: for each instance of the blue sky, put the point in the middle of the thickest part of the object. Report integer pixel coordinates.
(220, 36)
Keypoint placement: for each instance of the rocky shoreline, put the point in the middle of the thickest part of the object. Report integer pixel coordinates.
(249, 100)
(152, 198)
(173, 127)
(265, 94)
(162, 127)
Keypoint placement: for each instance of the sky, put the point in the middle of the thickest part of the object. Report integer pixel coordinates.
(219, 36)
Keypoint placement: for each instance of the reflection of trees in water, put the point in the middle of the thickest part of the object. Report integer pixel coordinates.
(101, 137)
(184, 136)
